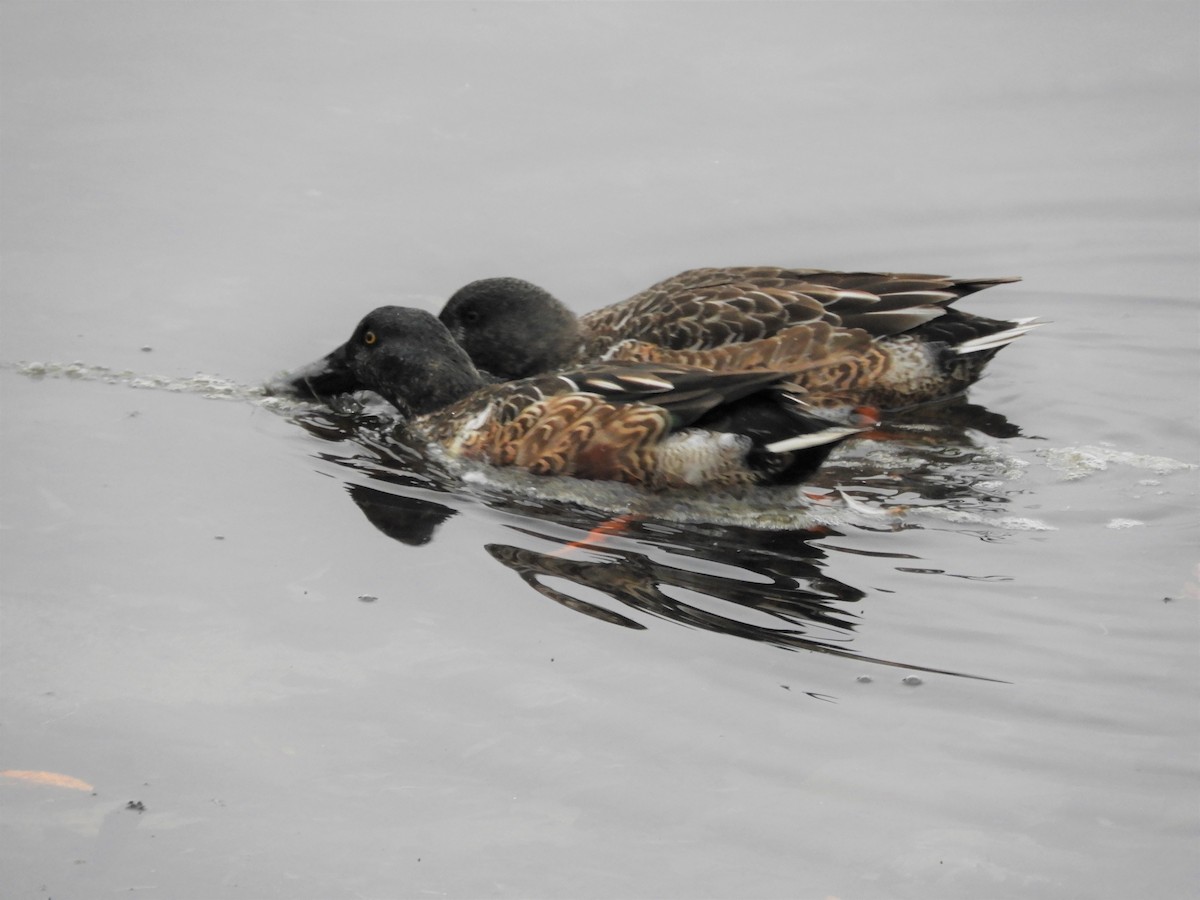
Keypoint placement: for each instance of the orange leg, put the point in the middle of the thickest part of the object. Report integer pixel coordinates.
(615, 525)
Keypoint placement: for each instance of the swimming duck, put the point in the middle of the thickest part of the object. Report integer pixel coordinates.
(923, 349)
(652, 424)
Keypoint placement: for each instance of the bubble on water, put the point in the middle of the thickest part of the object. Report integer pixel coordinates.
(1080, 462)
(212, 387)
(1124, 523)
(912, 680)
(766, 508)
(971, 517)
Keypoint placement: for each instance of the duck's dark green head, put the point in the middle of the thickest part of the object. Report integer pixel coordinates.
(405, 355)
(511, 328)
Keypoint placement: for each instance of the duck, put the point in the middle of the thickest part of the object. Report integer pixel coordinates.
(922, 349)
(659, 426)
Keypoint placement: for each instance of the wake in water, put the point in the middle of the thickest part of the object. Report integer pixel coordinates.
(935, 470)
(212, 387)
(751, 564)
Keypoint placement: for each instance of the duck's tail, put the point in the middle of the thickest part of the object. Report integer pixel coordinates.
(832, 435)
(1000, 338)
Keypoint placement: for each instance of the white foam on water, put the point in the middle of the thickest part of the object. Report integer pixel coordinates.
(992, 462)
(968, 517)
(1080, 462)
(211, 387)
(766, 508)
(783, 508)
(1124, 523)
(787, 508)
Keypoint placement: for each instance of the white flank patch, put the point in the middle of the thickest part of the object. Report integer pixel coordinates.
(696, 456)
(477, 421)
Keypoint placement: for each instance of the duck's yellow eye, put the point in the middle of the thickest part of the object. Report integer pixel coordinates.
(369, 338)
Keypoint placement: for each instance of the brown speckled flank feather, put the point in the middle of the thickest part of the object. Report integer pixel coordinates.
(638, 424)
(659, 425)
(577, 434)
(921, 348)
(830, 364)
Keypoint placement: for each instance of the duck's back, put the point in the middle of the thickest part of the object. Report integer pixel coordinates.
(704, 308)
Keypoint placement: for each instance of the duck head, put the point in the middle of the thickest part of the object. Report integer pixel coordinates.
(405, 355)
(510, 328)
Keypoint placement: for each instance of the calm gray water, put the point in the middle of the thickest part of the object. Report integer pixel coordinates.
(325, 672)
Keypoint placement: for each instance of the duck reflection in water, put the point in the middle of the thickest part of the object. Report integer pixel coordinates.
(766, 586)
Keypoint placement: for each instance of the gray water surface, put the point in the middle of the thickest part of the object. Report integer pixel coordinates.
(325, 671)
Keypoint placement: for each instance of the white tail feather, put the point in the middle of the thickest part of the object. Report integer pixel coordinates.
(816, 439)
(1000, 338)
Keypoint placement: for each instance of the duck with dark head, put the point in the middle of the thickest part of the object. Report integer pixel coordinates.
(658, 425)
(922, 348)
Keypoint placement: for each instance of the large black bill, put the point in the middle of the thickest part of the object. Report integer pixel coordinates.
(324, 378)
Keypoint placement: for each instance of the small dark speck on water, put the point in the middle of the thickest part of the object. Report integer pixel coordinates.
(147, 349)
(367, 598)
(137, 805)
(218, 537)
(786, 687)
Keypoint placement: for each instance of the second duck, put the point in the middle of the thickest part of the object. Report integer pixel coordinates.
(660, 426)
